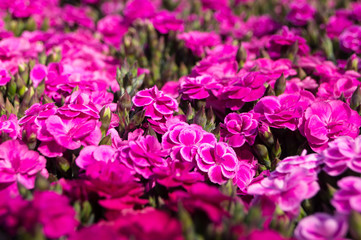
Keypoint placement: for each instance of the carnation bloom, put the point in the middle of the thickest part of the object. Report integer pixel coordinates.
(19, 164)
(279, 42)
(91, 154)
(282, 111)
(336, 25)
(4, 76)
(198, 41)
(311, 162)
(219, 161)
(321, 226)
(142, 155)
(239, 128)
(38, 73)
(300, 13)
(156, 103)
(348, 197)
(325, 121)
(184, 139)
(287, 190)
(350, 39)
(342, 153)
(113, 29)
(165, 22)
(10, 126)
(55, 214)
(198, 87)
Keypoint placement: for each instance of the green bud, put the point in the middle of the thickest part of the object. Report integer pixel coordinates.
(262, 153)
(280, 85)
(105, 117)
(63, 164)
(355, 225)
(200, 118)
(41, 183)
(356, 98)
(107, 140)
(266, 135)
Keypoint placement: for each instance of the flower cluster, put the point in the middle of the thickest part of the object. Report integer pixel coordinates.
(207, 119)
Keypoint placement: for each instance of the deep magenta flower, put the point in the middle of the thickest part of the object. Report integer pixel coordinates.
(350, 39)
(156, 103)
(198, 87)
(142, 155)
(348, 197)
(311, 162)
(38, 73)
(165, 22)
(336, 24)
(54, 213)
(325, 121)
(10, 126)
(321, 226)
(184, 139)
(92, 154)
(19, 164)
(198, 41)
(284, 40)
(282, 111)
(4, 76)
(239, 128)
(287, 190)
(342, 153)
(113, 28)
(219, 161)
(300, 13)
(138, 9)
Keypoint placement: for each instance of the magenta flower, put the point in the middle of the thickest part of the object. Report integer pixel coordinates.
(92, 154)
(219, 161)
(311, 162)
(19, 164)
(350, 39)
(138, 9)
(282, 111)
(113, 29)
(198, 41)
(184, 139)
(348, 197)
(4, 76)
(342, 153)
(325, 121)
(201, 196)
(38, 74)
(114, 184)
(156, 103)
(336, 24)
(165, 22)
(70, 134)
(300, 13)
(55, 214)
(284, 40)
(10, 126)
(287, 190)
(198, 87)
(95, 232)
(321, 226)
(246, 88)
(239, 128)
(244, 176)
(264, 234)
(142, 155)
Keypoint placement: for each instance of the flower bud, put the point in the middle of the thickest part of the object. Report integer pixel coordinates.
(105, 117)
(355, 100)
(355, 225)
(280, 85)
(262, 153)
(265, 134)
(200, 118)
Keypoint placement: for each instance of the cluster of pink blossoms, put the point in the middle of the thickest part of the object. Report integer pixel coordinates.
(205, 119)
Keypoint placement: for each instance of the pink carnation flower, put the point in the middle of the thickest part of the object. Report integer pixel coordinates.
(350, 39)
(113, 29)
(10, 126)
(142, 155)
(300, 13)
(55, 214)
(92, 154)
(282, 111)
(156, 103)
(342, 153)
(287, 190)
(348, 197)
(239, 128)
(19, 164)
(165, 22)
(198, 87)
(184, 139)
(198, 41)
(311, 162)
(321, 226)
(4, 77)
(219, 161)
(38, 73)
(325, 121)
